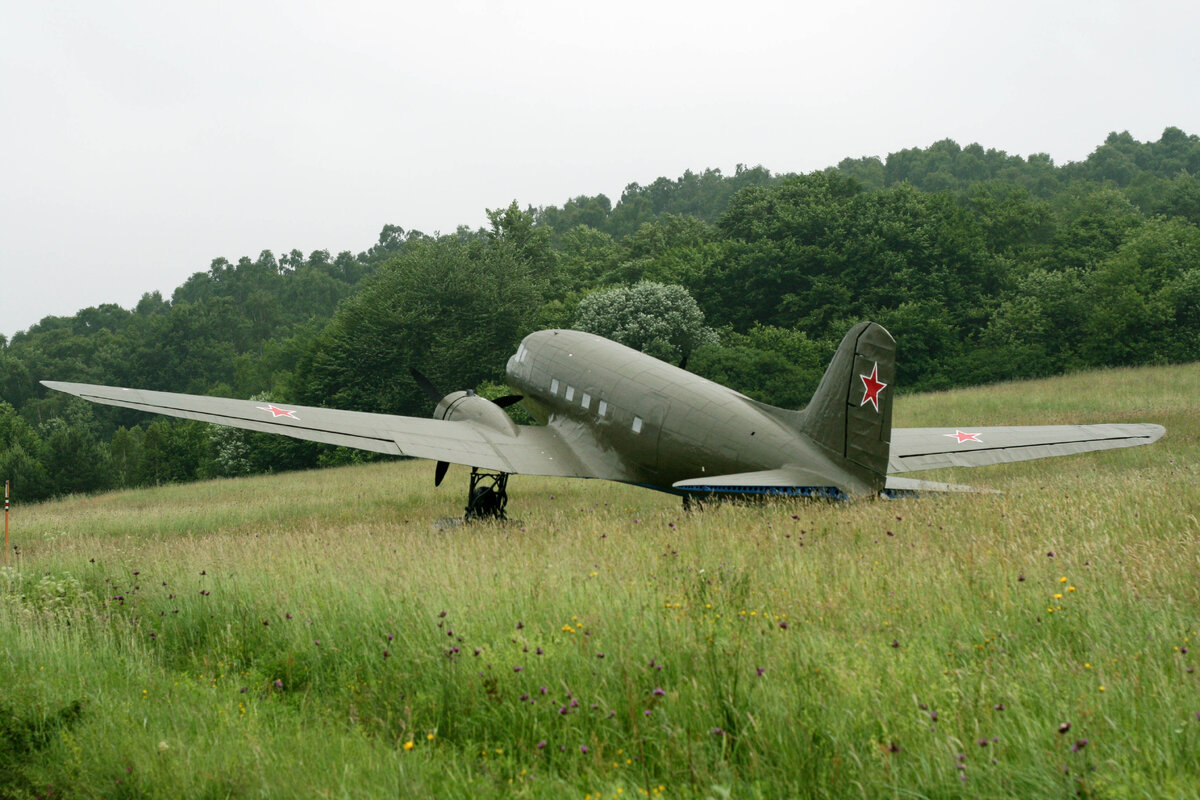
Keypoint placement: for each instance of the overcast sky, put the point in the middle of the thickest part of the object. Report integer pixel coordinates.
(141, 139)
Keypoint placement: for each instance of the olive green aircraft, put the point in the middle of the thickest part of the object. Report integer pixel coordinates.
(608, 411)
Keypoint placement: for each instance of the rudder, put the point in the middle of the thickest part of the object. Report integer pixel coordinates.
(850, 414)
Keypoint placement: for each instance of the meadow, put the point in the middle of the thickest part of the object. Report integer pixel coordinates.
(316, 635)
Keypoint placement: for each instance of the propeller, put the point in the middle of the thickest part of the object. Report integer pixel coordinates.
(439, 472)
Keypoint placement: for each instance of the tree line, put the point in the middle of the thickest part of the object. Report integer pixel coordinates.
(985, 266)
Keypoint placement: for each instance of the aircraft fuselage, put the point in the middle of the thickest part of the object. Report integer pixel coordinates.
(660, 423)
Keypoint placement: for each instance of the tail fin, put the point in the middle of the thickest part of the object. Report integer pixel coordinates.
(850, 414)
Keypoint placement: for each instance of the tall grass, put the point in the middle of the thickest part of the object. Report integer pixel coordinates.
(316, 635)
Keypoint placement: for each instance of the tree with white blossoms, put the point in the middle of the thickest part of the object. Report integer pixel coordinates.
(661, 320)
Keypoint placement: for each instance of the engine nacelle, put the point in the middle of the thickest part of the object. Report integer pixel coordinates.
(466, 405)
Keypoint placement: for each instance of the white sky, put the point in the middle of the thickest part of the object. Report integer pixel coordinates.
(140, 139)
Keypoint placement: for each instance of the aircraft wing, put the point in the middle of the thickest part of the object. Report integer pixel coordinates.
(535, 450)
(932, 448)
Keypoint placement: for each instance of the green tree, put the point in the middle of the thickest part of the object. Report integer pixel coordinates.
(660, 320)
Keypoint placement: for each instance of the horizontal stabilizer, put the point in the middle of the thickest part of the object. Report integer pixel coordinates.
(934, 448)
(789, 481)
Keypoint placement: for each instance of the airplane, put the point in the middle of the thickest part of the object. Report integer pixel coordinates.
(611, 412)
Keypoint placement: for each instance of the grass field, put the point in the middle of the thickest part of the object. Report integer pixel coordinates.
(314, 635)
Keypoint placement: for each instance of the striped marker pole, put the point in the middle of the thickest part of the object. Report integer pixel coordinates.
(6, 523)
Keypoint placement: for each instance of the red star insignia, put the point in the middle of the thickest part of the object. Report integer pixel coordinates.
(963, 437)
(278, 412)
(871, 387)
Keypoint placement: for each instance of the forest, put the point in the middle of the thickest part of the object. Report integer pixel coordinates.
(985, 267)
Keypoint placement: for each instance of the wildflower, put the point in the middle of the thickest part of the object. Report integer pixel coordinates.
(541, 745)
(599, 655)
(998, 707)
(386, 654)
(893, 747)
(1070, 588)
(895, 642)
(390, 637)
(718, 732)
(540, 651)
(646, 712)
(933, 716)
(429, 736)
(760, 671)
(1058, 596)
(278, 683)
(517, 669)
(520, 625)
(1079, 745)
(1064, 727)
(583, 749)
(542, 689)
(982, 742)
(658, 691)
(1063, 579)
(409, 745)
(783, 626)
(1183, 650)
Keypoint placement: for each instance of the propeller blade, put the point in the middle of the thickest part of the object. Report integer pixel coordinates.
(440, 472)
(508, 400)
(426, 385)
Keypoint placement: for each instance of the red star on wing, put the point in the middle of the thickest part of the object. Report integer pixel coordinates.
(963, 437)
(278, 412)
(871, 387)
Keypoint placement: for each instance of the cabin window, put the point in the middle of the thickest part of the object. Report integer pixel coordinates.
(570, 393)
(554, 386)
(521, 353)
(586, 401)
(637, 424)
(602, 409)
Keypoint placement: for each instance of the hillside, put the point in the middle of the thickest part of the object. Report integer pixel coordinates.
(312, 634)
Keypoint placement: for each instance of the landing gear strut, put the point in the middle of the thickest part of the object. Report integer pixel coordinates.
(488, 495)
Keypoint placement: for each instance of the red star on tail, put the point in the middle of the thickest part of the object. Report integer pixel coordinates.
(963, 437)
(871, 387)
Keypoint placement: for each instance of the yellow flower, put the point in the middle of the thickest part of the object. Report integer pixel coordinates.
(429, 737)
(1102, 688)
(1058, 595)
(1063, 579)
(409, 745)
(1070, 588)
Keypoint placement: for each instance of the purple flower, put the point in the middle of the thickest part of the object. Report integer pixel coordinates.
(599, 655)
(386, 654)
(998, 707)
(982, 743)
(517, 669)
(564, 710)
(718, 732)
(783, 625)
(523, 697)
(583, 749)
(1079, 745)
(893, 747)
(541, 745)
(646, 712)
(542, 689)
(442, 614)
(760, 671)
(574, 703)
(1183, 650)
(1064, 727)
(278, 683)
(390, 637)
(658, 691)
(540, 651)
(933, 716)
(520, 624)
